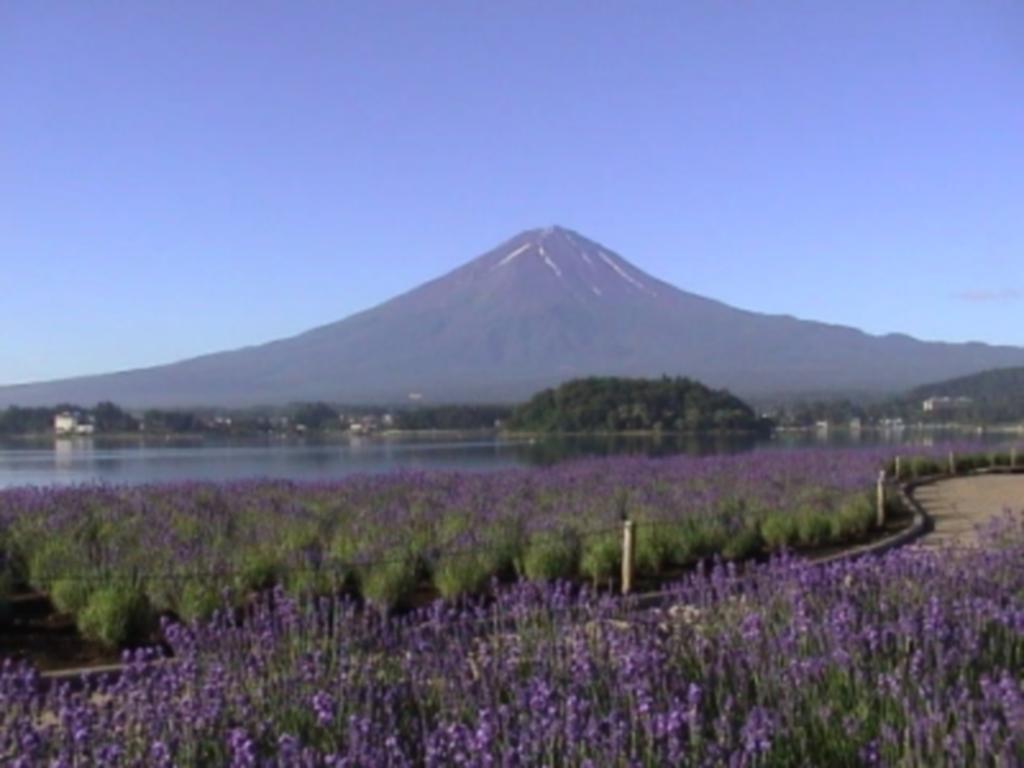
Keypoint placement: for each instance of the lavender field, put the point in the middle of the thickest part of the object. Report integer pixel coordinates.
(118, 558)
(913, 659)
(273, 604)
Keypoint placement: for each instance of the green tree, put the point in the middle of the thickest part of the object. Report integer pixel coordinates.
(110, 418)
(316, 416)
(617, 404)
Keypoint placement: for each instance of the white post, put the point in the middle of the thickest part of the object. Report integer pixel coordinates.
(899, 467)
(881, 499)
(1013, 456)
(952, 463)
(628, 555)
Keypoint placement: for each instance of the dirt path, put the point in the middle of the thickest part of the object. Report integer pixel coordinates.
(957, 506)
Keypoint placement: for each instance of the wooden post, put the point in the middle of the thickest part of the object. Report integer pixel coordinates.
(952, 463)
(899, 467)
(628, 555)
(881, 499)
(1013, 456)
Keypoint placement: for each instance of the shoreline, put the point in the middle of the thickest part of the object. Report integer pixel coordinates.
(332, 435)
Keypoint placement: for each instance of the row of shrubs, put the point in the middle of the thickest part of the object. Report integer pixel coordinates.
(914, 467)
(117, 608)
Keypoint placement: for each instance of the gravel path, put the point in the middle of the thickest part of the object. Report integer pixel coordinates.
(957, 506)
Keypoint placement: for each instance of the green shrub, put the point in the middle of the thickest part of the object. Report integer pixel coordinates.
(198, 600)
(52, 560)
(463, 573)
(551, 555)
(679, 544)
(655, 545)
(923, 466)
(164, 594)
(344, 547)
(301, 536)
(703, 539)
(389, 583)
(71, 595)
(601, 560)
(813, 528)
(505, 544)
(115, 614)
(305, 580)
(745, 542)
(668, 544)
(779, 531)
(853, 519)
(257, 571)
(970, 462)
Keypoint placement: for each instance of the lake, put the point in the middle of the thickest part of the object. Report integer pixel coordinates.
(133, 461)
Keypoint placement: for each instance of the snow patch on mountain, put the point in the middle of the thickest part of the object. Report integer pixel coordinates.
(511, 257)
(554, 267)
(622, 273)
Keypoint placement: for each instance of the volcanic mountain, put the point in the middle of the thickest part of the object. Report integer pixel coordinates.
(545, 306)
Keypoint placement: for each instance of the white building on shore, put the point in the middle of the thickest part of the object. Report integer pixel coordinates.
(946, 404)
(69, 423)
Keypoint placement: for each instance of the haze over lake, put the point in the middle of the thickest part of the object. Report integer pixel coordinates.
(119, 461)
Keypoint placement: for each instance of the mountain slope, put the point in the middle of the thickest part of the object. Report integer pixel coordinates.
(545, 306)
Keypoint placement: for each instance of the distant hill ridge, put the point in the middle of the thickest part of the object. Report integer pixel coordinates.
(543, 307)
(1001, 383)
(995, 396)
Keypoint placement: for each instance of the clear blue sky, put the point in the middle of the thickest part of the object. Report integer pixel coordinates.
(183, 177)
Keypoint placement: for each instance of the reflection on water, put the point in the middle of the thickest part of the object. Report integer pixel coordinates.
(86, 459)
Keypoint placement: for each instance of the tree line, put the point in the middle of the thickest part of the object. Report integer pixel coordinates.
(315, 417)
(104, 417)
(595, 404)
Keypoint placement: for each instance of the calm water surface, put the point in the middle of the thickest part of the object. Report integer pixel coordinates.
(87, 460)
